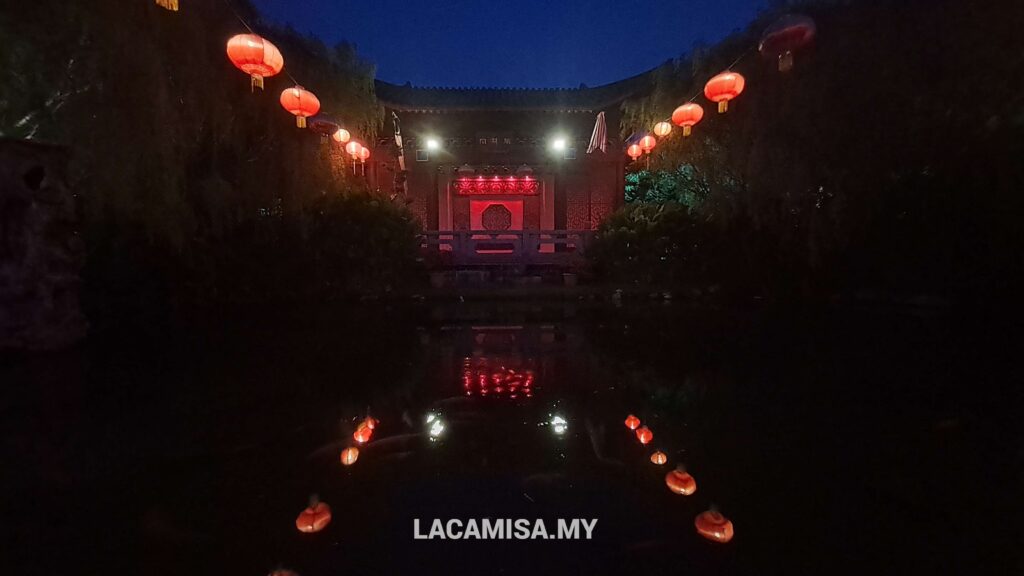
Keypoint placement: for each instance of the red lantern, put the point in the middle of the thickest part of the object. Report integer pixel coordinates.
(171, 5)
(300, 102)
(364, 155)
(662, 129)
(634, 151)
(632, 422)
(352, 148)
(723, 88)
(680, 482)
(342, 136)
(644, 435)
(713, 526)
(256, 57)
(349, 456)
(687, 116)
(786, 35)
(362, 434)
(659, 458)
(314, 518)
(370, 422)
(647, 143)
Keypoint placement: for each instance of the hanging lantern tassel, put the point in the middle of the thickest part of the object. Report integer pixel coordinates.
(786, 61)
(723, 106)
(171, 5)
(257, 82)
(687, 130)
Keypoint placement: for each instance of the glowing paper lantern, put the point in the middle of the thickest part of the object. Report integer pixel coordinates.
(687, 116)
(634, 151)
(352, 148)
(659, 458)
(723, 88)
(632, 422)
(680, 482)
(314, 518)
(713, 526)
(349, 456)
(662, 129)
(364, 155)
(171, 5)
(301, 103)
(256, 57)
(785, 36)
(342, 136)
(362, 434)
(370, 422)
(647, 143)
(644, 435)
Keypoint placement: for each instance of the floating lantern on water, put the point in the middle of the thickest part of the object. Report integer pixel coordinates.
(363, 433)
(659, 458)
(785, 36)
(632, 422)
(255, 56)
(687, 116)
(662, 129)
(723, 88)
(645, 435)
(314, 518)
(349, 456)
(713, 526)
(301, 103)
(680, 482)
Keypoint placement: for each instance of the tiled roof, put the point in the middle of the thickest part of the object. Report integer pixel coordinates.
(582, 99)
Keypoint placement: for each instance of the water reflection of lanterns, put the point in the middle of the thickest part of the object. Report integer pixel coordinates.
(436, 429)
(713, 526)
(349, 456)
(632, 422)
(490, 377)
(644, 435)
(363, 433)
(283, 572)
(680, 482)
(659, 458)
(370, 422)
(314, 518)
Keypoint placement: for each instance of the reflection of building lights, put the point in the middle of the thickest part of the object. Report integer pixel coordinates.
(436, 429)
(559, 425)
(431, 417)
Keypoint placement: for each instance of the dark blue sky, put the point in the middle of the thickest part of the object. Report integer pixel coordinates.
(531, 43)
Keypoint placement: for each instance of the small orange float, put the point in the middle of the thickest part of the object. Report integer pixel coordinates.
(363, 433)
(349, 456)
(645, 435)
(659, 458)
(632, 422)
(680, 482)
(314, 518)
(713, 526)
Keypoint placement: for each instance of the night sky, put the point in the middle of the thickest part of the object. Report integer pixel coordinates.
(531, 43)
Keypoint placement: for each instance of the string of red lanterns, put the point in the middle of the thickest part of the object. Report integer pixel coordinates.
(779, 41)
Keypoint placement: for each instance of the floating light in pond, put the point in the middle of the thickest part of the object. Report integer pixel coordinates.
(713, 526)
(680, 482)
(644, 435)
(431, 417)
(632, 422)
(559, 425)
(362, 434)
(349, 456)
(314, 518)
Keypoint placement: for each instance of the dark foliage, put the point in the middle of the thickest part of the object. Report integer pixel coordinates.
(191, 185)
(888, 159)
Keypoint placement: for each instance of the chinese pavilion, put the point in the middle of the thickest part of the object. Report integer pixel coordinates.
(509, 160)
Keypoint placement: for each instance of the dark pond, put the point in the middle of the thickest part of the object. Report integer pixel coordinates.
(837, 441)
